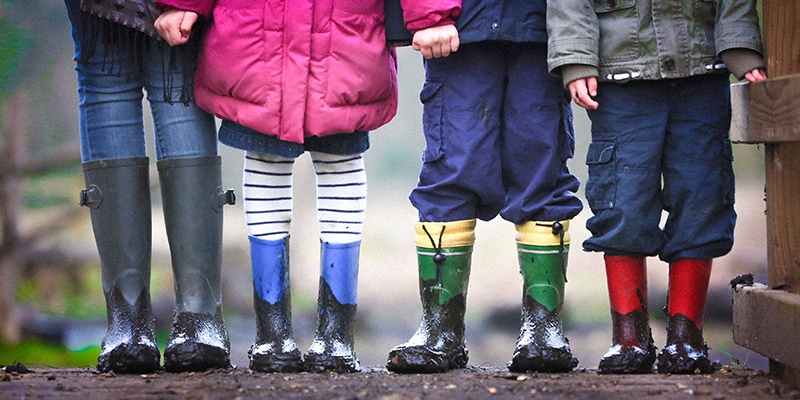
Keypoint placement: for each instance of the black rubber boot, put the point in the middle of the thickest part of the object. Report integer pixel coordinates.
(192, 200)
(274, 349)
(333, 348)
(118, 194)
(438, 345)
(542, 248)
(686, 352)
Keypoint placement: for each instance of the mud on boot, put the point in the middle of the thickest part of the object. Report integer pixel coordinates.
(438, 345)
(198, 342)
(632, 350)
(542, 250)
(686, 352)
(333, 348)
(541, 345)
(274, 349)
(129, 345)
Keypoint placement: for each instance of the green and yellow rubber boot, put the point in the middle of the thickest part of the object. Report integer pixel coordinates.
(444, 253)
(542, 248)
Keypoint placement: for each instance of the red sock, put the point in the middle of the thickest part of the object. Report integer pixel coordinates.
(688, 287)
(626, 276)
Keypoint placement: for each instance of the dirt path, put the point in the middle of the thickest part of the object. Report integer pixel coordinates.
(376, 383)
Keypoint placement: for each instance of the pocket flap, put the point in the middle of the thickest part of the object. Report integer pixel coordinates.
(601, 6)
(599, 153)
(429, 90)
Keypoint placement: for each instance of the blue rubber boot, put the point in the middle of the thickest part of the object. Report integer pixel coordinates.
(274, 349)
(333, 347)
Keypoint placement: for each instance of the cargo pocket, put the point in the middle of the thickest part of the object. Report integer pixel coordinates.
(601, 187)
(432, 111)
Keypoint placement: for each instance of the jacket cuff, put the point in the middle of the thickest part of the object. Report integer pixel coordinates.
(202, 7)
(741, 61)
(572, 72)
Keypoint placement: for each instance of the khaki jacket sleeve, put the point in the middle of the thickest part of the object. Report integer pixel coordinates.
(736, 26)
(573, 34)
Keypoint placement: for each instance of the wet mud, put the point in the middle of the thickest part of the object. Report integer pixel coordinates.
(333, 348)
(438, 345)
(686, 352)
(541, 345)
(632, 350)
(129, 344)
(198, 342)
(275, 349)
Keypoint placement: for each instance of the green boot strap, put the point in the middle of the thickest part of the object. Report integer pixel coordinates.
(543, 249)
(444, 252)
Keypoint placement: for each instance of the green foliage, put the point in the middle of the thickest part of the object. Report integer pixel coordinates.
(35, 354)
(14, 39)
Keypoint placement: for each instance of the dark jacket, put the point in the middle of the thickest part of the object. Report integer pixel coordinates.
(481, 20)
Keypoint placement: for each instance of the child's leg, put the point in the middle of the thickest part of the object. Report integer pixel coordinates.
(537, 141)
(268, 212)
(699, 195)
(341, 203)
(461, 180)
(632, 349)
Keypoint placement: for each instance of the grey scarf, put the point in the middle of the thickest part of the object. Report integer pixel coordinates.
(136, 14)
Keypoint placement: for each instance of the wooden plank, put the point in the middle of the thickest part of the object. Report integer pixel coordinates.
(766, 111)
(768, 322)
(783, 219)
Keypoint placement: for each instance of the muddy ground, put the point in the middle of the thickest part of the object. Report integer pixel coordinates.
(377, 383)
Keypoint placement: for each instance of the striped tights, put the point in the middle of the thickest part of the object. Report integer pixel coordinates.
(341, 195)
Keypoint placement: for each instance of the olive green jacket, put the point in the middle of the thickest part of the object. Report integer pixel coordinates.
(648, 39)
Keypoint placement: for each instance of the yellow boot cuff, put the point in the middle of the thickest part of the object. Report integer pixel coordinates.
(540, 233)
(456, 233)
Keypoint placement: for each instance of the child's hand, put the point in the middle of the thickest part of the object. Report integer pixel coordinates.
(757, 74)
(175, 26)
(582, 91)
(437, 41)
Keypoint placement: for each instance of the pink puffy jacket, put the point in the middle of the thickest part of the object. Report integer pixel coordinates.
(296, 68)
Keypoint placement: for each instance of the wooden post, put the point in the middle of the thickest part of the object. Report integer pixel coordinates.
(782, 43)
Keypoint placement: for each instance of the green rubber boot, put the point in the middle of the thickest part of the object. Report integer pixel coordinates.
(542, 248)
(118, 194)
(193, 199)
(444, 252)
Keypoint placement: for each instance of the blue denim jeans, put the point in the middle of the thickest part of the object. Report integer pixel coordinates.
(498, 132)
(662, 145)
(110, 103)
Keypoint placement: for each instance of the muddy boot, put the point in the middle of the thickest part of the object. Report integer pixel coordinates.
(444, 254)
(632, 349)
(542, 248)
(686, 351)
(274, 349)
(192, 200)
(333, 348)
(118, 194)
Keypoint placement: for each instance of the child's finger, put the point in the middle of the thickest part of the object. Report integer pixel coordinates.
(187, 22)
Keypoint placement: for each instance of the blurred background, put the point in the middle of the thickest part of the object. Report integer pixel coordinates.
(52, 311)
